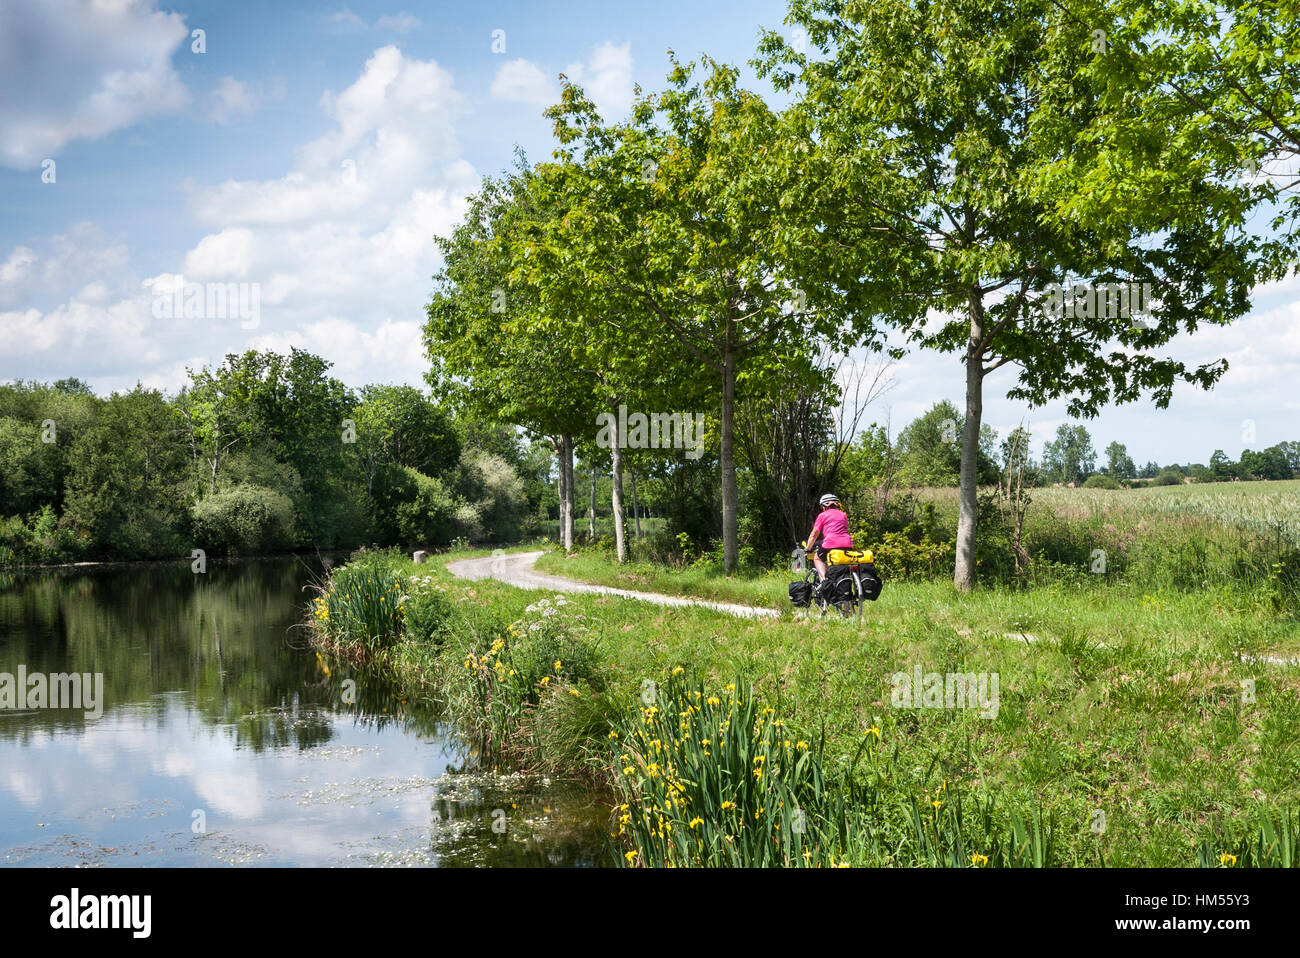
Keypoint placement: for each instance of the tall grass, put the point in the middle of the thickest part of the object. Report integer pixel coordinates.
(1128, 699)
(1271, 842)
(362, 605)
(716, 779)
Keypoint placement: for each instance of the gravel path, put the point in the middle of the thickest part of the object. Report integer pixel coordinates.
(517, 569)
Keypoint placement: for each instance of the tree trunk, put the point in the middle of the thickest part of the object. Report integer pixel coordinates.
(559, 482)
(616, 473)
(636, 509)
(726, 458)
(566, 491)
(964, 573)
(591, 506)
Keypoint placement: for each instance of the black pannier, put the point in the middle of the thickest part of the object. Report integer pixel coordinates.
(839, 584)
(800, 593)
(839, 580)
(871, 582)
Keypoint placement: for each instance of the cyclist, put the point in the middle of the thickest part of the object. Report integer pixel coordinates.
(833, 526)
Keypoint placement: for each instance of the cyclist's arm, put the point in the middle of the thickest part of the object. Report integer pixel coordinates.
(816, 531)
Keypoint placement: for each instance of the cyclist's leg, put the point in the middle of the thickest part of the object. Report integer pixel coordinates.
(819, 560)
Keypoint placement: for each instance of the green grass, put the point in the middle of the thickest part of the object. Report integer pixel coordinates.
(1271, 509)
(1128, 703)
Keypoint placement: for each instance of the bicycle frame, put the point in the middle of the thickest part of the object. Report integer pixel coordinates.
(855, 603)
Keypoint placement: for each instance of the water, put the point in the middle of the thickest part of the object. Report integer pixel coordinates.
(224, 740)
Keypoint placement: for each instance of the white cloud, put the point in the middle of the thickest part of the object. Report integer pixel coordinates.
(398, 23)
(17, 270)
(232, 99)
(81, 69)
(606, 77)
(391, 126)
(79, 326)
(347, 18)
(224, 255)
(401, 22)
(342, 253)
(60, 263)
(522, 81)
(393, 352)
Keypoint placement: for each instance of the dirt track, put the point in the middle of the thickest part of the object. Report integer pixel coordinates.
(517, 569)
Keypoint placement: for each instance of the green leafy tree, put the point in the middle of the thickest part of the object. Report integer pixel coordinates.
(941, 144)
(1069, 457)
(676, 238)
(1118, 463)
(930, 453)
(1222, 466)
(486, 333)
(1291, 450)
(128, 477)
(1227, 71)
(398, 426)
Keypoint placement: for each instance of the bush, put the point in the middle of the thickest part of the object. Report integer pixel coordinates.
(1099, 481)
(428, 611)
(898, 557)
(512, 668)
(363, 604)
(429, 516)
(1168, 478)
(494, 489)
(243, 519)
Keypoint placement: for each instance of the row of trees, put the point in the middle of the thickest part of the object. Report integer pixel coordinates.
(939, 165)
(926, 454)
(263, 453)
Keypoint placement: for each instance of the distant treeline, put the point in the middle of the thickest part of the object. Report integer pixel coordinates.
(926, 453)
(265, 453)
(268, 453)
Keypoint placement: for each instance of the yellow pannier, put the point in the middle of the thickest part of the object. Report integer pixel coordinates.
(848, 556)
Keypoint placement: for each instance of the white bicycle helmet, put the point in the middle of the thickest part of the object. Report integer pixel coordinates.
(829, 499)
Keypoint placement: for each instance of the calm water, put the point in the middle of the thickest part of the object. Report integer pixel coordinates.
(223, 740)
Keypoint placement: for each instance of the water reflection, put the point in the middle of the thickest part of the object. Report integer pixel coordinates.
(223, 740)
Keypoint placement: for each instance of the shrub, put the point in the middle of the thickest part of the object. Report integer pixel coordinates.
(1168, 478)
(898, 557)
(429, 515)
(494, 489)
(363, 604)
(511, 670)
(428, 611)
(243, 519)
(1099, 481)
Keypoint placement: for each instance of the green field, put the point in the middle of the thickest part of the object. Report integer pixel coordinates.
(1138, 722)
(1271, 509)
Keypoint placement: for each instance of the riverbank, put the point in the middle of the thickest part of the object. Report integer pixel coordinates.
(1127, 732)
(217, 739)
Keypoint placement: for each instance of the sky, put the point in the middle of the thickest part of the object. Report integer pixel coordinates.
(313, 151)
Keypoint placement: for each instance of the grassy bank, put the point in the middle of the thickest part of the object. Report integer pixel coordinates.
(1127, 730)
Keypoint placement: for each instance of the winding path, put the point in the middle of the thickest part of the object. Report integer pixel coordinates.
(516, 569)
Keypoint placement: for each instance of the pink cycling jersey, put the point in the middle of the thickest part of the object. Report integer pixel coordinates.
(834, 527)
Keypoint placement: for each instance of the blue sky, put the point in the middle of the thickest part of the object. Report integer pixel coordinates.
(316, 150)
